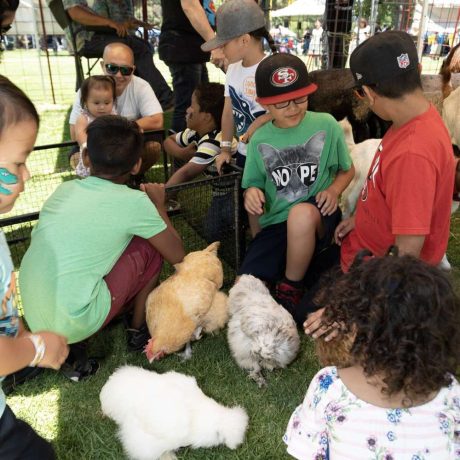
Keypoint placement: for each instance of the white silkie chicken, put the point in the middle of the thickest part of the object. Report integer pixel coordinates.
(159, 413)
(261, 333)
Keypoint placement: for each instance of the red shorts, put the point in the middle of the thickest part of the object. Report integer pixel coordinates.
(138, 264)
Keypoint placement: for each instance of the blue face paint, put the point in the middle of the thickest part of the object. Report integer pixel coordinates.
(7, 178)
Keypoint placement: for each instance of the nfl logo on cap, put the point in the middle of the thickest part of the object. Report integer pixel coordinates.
(403, 61)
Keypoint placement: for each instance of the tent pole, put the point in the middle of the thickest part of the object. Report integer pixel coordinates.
(45, 37)
(454, 38)
(37, 40)
(374, 13)
(422, 29)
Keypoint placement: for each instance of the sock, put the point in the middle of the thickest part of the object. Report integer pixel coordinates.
(294, 284)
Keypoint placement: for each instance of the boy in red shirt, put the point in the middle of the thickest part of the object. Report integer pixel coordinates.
(407, 196)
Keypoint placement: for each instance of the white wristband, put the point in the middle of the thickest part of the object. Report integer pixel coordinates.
(226, 144)
(40, 348)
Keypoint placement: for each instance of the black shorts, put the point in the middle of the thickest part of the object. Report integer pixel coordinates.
(18, 440)
(266, 254)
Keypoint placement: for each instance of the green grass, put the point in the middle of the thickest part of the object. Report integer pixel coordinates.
(68, 414)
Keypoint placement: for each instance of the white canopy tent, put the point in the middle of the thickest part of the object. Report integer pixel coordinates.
(439, 17)
(301, 8)
(281, 30)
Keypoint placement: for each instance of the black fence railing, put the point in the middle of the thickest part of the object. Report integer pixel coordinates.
(209, 208)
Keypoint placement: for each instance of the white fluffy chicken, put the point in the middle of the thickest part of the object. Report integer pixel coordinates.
(261, 333)
(159, 413)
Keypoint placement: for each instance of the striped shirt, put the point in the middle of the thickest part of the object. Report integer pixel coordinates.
(207, 149)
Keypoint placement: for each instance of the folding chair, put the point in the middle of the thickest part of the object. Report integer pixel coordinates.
(64, 20)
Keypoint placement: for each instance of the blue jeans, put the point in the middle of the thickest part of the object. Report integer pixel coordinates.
(185, 78)
(143, 59)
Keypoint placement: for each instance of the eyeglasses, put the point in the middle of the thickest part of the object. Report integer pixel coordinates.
(113, 69)
(284, 104)
(5, 29)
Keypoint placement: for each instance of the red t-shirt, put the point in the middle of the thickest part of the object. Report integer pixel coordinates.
(408, 191)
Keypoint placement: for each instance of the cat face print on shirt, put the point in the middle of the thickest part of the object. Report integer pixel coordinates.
(293, 169)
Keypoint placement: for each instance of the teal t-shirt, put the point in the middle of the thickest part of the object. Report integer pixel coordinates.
(292, 164)
(83, 229)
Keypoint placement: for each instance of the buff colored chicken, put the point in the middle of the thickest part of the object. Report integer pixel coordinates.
(186, 304)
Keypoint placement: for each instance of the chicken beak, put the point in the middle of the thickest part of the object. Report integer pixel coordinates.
(148, 351)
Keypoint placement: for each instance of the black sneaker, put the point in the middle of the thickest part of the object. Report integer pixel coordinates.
(137, 338)
(17, 378)
(79, 371)
(173, 207)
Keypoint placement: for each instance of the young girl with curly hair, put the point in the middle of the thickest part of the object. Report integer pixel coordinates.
(395, 395)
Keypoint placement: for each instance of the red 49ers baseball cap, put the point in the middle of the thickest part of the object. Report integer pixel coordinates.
(282, 77)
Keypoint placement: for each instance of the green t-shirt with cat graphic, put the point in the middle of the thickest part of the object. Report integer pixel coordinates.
(290, 165)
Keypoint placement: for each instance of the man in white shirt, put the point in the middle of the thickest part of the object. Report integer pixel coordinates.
(135, 98)
(115, 23)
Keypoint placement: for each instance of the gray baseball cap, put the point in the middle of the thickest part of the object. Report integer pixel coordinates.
(233, 19)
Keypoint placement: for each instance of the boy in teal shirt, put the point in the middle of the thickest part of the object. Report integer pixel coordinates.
(297, 166)
(98, 247)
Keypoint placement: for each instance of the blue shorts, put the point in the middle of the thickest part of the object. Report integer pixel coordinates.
(266, 254)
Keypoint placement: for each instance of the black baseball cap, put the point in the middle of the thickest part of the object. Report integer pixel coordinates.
(382, 57)
(282, 77)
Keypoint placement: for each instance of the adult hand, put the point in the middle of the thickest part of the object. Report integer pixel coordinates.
(343, 229)
(156, 193)
(254, 200)
(314, 326)
(121, 28)
(56, 350)
(327, 201)
(218, 59)
(135, 23)
(221, 159)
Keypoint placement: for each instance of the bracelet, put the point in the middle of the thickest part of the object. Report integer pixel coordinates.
(40, 348)
(226, 144)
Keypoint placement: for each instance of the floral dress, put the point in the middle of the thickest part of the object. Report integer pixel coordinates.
(332, 423)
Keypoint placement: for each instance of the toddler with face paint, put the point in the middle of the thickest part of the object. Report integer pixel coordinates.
(98, 95)
(18, 347)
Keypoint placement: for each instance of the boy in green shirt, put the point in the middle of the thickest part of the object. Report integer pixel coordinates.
(297, 166)
(98, 247)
